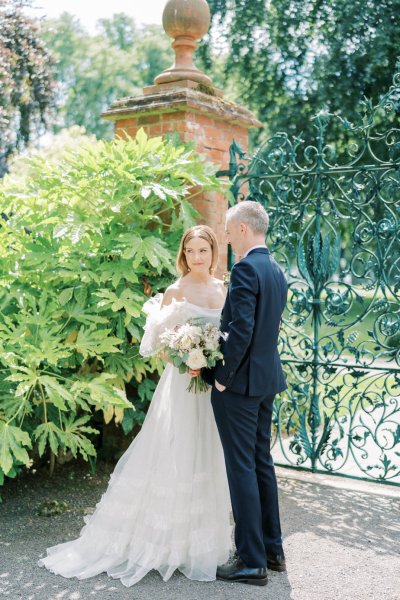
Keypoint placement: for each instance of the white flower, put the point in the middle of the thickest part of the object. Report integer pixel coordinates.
(212, 344)
(196, 359)
(184, 342)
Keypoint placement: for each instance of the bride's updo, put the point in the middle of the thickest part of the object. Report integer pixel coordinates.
(199, 231)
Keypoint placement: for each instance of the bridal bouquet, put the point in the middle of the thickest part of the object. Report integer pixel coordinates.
(193, 345)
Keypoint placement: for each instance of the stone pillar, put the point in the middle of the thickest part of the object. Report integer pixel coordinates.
(183, 100)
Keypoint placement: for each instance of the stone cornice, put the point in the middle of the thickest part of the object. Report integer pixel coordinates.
(180, 99)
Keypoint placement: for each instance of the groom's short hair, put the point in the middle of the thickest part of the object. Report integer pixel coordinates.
(252, 213)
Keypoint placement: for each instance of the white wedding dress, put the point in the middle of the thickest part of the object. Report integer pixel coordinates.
(167, 504)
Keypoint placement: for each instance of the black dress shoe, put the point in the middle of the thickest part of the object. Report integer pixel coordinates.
(276, 562)
(239, 571)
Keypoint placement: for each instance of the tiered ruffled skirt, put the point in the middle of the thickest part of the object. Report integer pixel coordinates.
(167, 504)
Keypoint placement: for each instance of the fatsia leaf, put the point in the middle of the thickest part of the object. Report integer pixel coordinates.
(60, 230)
(146, 389)
(80, 294)
(95, 342)
(108, 413)
(85, 317)
(187, 214)
(132, 243)
(13, 441)
(128, 300)
(74, 436)
(156, 253)
(26, 379)
(100, 390)
(65, 296)
(138, 257)
(145, 192)
(13, 405)
(56, 392)
(48, 434)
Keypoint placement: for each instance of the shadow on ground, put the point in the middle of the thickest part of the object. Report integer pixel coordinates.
(350, 518)
(320, 523)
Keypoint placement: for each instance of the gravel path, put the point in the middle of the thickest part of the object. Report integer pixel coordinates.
(341, 544)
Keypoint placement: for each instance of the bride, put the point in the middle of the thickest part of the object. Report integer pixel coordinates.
(167, 504)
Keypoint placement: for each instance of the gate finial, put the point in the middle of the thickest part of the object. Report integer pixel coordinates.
(186, 21)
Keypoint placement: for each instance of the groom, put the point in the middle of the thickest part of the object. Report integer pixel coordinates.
(245, 384)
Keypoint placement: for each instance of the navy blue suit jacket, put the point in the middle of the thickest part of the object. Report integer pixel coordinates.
(251, 316)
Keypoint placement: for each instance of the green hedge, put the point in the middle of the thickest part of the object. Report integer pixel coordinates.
(83, 242)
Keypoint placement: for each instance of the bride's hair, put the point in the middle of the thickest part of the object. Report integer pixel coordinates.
(200, 231)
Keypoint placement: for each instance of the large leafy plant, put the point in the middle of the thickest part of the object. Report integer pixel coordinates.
(83, 242)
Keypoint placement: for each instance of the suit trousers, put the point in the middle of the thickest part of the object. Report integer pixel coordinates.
(244, 425)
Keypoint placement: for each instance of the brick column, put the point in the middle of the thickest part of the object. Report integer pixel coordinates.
(183, 101)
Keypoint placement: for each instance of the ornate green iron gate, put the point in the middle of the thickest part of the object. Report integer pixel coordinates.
(335, 229)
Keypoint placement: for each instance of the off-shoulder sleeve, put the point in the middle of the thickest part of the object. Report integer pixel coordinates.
(158, 320)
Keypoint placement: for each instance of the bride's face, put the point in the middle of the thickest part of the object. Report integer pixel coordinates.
(198, 253)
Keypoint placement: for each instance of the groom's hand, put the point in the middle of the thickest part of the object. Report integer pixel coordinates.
(219, 386)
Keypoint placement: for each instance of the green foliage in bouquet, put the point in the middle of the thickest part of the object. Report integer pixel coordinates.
(83, 242)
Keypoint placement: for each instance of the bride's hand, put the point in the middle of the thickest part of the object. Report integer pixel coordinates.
(164, 356)
(219, 386)
(194, 372)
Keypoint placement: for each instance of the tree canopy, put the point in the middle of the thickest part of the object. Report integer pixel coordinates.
(94, 70)
(289, 59)
(26, 86)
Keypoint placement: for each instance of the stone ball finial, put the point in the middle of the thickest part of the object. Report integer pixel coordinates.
(186, 17)
(186, 21)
